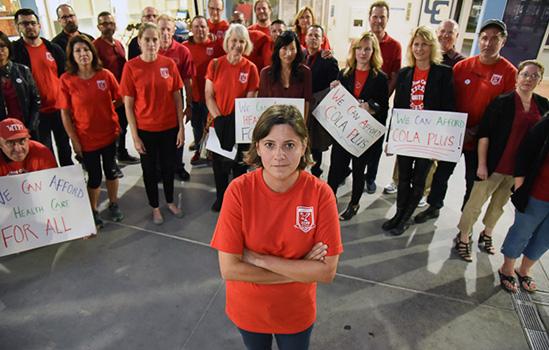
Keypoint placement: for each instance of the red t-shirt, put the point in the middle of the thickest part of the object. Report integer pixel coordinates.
(11, 101)
(44, 72)
(218, 29)
(38, 158)
(523, 121)
(202, 54)
(418, 88)
(477, 84)
(261, 53)
(231, 82)
(113, 56)
(182, 58)
(360, 80)
(90, 101)
(540, 190)
(152, 85)
(266, 30)
(325, 43)
(391, 52)
(281, 224)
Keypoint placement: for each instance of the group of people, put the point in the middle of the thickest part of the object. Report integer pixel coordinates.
(87, 93)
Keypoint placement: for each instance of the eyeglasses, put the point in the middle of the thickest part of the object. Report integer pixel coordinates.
(107, 24)
(13, 143)
(28, 23)
(67, 17)
(526, 75)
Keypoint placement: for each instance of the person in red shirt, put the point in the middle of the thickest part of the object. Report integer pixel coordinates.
(113, 56)
(183, 59)
(272, 255)
(424, 84)
(203, 50)
(19, 154)
(217, 26)
(86, 102)
(302, 21)
(151, 86)
(263, 11)
(506, 121)
(528, 235)
(229, 77)
(46, 61)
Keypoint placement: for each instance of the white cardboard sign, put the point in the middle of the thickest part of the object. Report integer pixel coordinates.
(248, 111)
(351, 126)
(427, 134)
(42, 208)
(213, 144)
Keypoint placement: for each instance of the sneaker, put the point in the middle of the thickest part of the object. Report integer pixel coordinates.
(390, 188)
(98, 221)
(127, 159)
(422, 203)
(183, 175)
(428, 214)
(371, 187)
(116, 214)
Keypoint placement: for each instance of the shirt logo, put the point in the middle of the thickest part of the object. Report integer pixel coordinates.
(102, 85)
(243, 77)
(49, 57)
(209, 51)
(164, 73)
(304, 218)
(496, 79)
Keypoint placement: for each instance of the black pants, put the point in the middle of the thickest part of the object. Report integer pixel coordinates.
(123, 121)
(412, 173)
(264, 341)
(439, 185)
(92, 161)
(374, 155)
(471, 165)
(160, 147)
(51, 122)
(317, 157)
(223, 167)
(339, 163)
(198, 120)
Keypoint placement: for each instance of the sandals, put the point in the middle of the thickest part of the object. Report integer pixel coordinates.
(463, 249)
(527, 282)
(486, 244)
(511, 281)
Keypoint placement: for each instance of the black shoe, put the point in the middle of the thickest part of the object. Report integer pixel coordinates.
(117, 172)
(427, 214)
(400, 228)
(371, 187)
(392, 222)
(124, 157)
(216, 206)
(349, 212)
(183, 175)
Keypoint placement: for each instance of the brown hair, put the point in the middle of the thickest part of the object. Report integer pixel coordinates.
(279, 115)
(536, 63)
(72, 66)
(379, 4)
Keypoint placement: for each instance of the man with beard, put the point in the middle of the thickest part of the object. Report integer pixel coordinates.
(69, 22)
(112, 55)
(46, 61)
(263, 12)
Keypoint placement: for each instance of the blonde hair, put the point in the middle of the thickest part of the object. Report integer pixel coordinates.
(300, 14)
(144, 26)
(429, 36)
(242, 33)
(376, 60)
(166, 18)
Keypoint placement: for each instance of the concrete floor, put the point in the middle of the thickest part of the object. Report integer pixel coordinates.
(141, 286)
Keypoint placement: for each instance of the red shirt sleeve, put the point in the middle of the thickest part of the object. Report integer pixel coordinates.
(210, 70)
(114, 87)
(328, 228)
(127, 87)
(228, 236)
(253, 82)
(177, 81)
(64, 100)
(188, 63)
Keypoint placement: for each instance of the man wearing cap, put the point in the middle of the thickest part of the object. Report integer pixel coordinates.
(19, 154)
(477, 81)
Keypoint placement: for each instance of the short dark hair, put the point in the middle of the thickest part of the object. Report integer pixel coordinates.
(279, 115)
(4, 38)
(379, 4)
(316, 26)
(25, 12)
(103, 14)
(278, 21)
(62, 5)
(72, 66)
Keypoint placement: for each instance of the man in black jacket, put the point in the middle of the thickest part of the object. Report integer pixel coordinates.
(149, 15)
(69, 22)
(47, 62)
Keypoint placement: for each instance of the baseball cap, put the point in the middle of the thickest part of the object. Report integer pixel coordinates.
(495, 23)
(12, 129)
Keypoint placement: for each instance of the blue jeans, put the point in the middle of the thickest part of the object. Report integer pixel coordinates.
(529, 234)
(263, 341)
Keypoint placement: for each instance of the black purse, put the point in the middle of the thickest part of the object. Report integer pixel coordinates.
(225, 129)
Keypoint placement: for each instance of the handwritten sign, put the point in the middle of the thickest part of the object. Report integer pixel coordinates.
(351, 126)
(248, 111)
(427, 134)
(42, 208)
